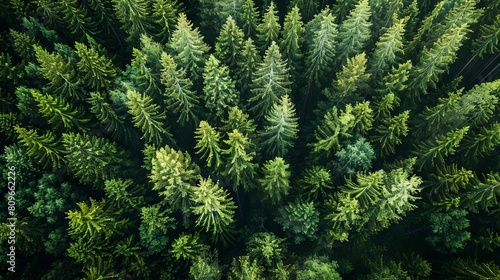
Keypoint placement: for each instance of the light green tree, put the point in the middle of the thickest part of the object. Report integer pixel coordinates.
(390, 132)
(266, 248)
(98, 71)
(208, 144)
(275, 182)
(268, 30)
(238, 159)
(292, 40)
(46, 149)
(243, 268)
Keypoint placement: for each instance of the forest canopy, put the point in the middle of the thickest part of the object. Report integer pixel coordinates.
(250, 139)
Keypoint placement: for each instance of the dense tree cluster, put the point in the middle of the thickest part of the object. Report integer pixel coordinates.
(250, 139)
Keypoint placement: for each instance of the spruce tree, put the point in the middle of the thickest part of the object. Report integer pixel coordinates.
(155, 223)
(270, 82)
(46, 149)
(275, 182)
(219, 90)
(133, 15)
(390, 132)
(481, 143)
(208, 144)
(266, 248)
(180, 97)
(247, 66)
(238, 159)
(249, 18)
(291, 40)
(489, 38)
(214, 208)
(354, 32)
(187, 48)
(280, 128)
(147, 118)
(229, 45)
(74, 17)
(164, 13)
(98, 71)
(268, 30)
(300, 220)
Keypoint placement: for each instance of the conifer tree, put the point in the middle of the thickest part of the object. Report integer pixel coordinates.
(269, 83)
(342, 9)
(59, 72)
(433, 152)
(187, 47)
(317, 268)
(105, 16)
(354, 157)
(92, 159)
(147, 118)
(243, 267)
(308, 8)
(426, 25)
(45, 148)
(489, 38)
(219, 90)
(98, 71)
(448, 180)
(180, 97)
(395, 81)
(389, 133)
(249, 18)
(266, 248)
(208, 144)
(187, 247)
(471, 268)
(229, 44)
(153, 229)
(75, 18)
(122, 194)
(174, 177)
(164, 13)
(247, 66)
(291, 40)
(354, 32)
(388, 49)
(144, 75)
(316, 181)
(239, 166)
(268, 30)
(230, 8)
(133, 15)
(275, 181)
(59, 113)
(214, 208)
(322, 51)
(481, 143)
(483, 194)
(300, 220)
(280, 129)
(241, 121)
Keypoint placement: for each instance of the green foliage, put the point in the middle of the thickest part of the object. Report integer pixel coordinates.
(390, 132)
(355, 157)
(291, 41)
(322, 51)
(242, 268)
(214, 208)
(481, 143)
(247, 65)
(174, 177)
(269, 82)
(318, 268)
(163, 15)
(239, 166)
(487, 42)
(300, 220)
(92, 219)
(208, 144)
(180, 97)
(281, 128)
(120, 192)
(472, 269)
(268, 30)
(230, 44)
(219, 90)
(249, 18)
(449, 231)
(316, 180)
(133, 15)
(483, 195)
(17, 155)
(205, 268)
(275, 181)
(44, 148)
(97, 70)
(147, 118)
(187, 247)
(450, 180)
(266, 248)
(153, 228)
(187, 48)
(354, 32)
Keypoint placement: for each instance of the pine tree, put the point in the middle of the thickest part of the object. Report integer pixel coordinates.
(180, 97)
(433, 152)
(214, 208)
(229, 45)
(98, 71)
(45, 148)
(244, 268)
(208, 144)
(75, 18)
(174, 177)
(354, 32)
(300, 220)
(425, 26)
(449, 180)
(395, 81)
(390, 132)
(275, 181)
(488, 40)
(471, 268)
(163, 15)
(280, 129)
(350, 83)
(342, 9)
(482, 196)
(385, 13)
(122, 195)
(104, 15)
(316, 181)
(322, 51)
(133, 15)
(219, 90)
(266, 248)
(437, 117)
(291, 40)
(92, 159)
(239, 166)
(481, 143)
(147, 118)
(92, 219)
(59, 72)
(59, 113)
(270, 82)
(187, 48)
(308, 8)
(354, 157)
(317, 268)
(241, 121)
(247, 66)
(187, 247)
(268, 30)
(153, 229)
(205, 267)
(145, 77)
(249, 18)
(388, 50)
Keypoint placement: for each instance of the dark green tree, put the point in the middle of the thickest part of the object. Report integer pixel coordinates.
(269, 28)
(390, 132)
(97, 70)
(153, 229)
(134, 18)
(300, 220)
(229, 45)
(316, 268)
(164, 13)
(249, 18)
(266, 248)
(247, 66)
(316, 181)
(449, 231)
(489, 38)
(292, 40)
(275, 182)
(354, 157)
